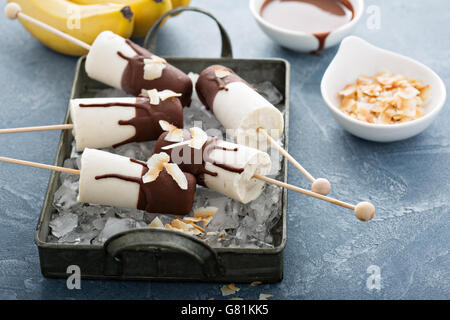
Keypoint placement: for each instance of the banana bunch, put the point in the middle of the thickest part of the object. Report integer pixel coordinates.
(85, 19)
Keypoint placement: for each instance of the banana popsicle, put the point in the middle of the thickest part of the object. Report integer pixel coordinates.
(238, 106)
(225, 167)
(122, 64)
(155, 186)
(105, 122)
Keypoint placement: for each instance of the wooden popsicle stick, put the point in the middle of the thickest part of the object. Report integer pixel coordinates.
(13, 11)
(40, 165)
(38, 128)
(321, 185)
(364, 211)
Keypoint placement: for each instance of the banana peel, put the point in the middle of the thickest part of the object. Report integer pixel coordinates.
(146, 11)
(83, 22)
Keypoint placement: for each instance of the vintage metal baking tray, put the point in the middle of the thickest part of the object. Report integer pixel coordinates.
(159, 254)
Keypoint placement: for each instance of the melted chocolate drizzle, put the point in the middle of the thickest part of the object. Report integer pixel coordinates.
(172, 78)
(146, 120)
(208, 84)
(332, 7)
(199, 170)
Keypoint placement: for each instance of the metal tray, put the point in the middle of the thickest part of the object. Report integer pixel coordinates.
(159, 254)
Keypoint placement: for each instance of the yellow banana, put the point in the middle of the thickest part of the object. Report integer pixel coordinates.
(180, 3)
(83, 22)
(146, 11)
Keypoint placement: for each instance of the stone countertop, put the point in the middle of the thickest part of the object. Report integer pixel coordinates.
(328, 253)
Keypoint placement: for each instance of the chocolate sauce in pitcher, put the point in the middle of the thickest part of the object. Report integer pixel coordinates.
(317, 17)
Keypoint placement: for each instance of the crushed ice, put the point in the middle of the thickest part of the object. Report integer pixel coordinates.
(253, 225)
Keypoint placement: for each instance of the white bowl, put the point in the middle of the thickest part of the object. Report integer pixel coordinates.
(303, 41)
(356, 56)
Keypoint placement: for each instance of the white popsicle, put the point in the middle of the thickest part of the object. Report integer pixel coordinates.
(113, 192)
(239, 186)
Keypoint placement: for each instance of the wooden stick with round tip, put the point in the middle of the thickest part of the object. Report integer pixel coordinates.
(13, 11)
(40, 165)
(321, 185)
(364, 211)
(38, 128)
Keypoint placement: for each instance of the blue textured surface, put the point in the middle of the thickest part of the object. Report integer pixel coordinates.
(328, 250)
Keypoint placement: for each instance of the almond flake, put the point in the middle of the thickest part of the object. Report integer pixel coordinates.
(175, 172)
(155, 165)
(198, 138)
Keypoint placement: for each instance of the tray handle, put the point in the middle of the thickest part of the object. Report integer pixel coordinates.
(150, 38)
(147, 239)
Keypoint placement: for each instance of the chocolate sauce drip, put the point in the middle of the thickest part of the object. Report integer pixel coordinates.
(208, 84)
(194, 160)
(172, 78)
(162, 195)
(146, 120)
(331, 14)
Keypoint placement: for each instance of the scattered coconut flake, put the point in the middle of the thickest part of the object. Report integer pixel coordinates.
(155, 165)
(177, 223)
(175, 172)
(153, 67)
(212, 233)
(229, 289)
(156, 223)
(255, 283)
(198, 138)
(192, 219)
(205, 212)
(264, 296)
(221, 72)
(174, 134)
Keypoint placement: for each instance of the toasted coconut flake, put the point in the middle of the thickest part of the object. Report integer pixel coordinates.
(153, 67)
(221, 72)
(154, 96)
(174, 134)
(175, 172)
(166, 94)
(192, 219)
(229, 289)
(255, 283)
(155, 165)
(203, 212)
(212, 233)
(156, 223)
(198, 138)
(385, 98)
(265, 296)
(177, 223)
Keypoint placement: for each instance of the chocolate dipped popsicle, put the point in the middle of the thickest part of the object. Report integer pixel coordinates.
(238, 106)
(122, 64)
(155, 186)
(225, 167)
(105, 122)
